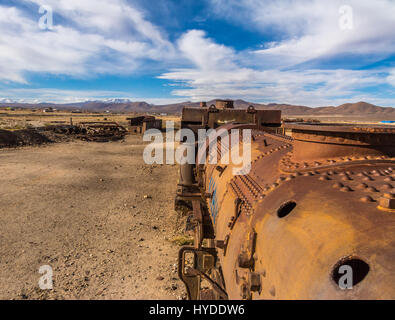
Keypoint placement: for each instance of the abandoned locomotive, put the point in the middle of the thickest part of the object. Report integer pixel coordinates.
(318, 200)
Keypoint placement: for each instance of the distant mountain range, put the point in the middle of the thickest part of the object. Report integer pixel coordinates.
(126, 106)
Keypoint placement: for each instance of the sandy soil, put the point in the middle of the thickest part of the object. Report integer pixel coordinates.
(96, 214)
(24, 119)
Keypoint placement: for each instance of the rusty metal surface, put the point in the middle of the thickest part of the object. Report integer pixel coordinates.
(138, 121)
(210, 118)
(330, 127)
(213, 117)
(340, 212)
(224, 104)
(330, 141)
(305, 209)
(141, 124)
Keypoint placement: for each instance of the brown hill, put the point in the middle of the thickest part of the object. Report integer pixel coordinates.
(359, 108)
(352, 109)
(288, 109)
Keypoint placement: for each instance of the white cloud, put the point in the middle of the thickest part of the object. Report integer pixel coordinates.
(116, 18)
(309, 29)
(308, 87)
(222, 75)
(305, 31)
(51, 95)
(94, 37)
(62, 96)
(391, 78)
(205, 53)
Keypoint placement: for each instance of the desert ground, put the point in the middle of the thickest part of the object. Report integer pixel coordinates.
(25, 119)
(100, 217)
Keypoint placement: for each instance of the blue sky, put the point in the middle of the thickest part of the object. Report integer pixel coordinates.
(306, 52)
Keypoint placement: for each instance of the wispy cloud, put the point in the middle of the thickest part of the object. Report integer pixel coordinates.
(303, 62)
(50, 95)
(311, 29)
(62, 96)
(220, 75)
(391, 78)
(291, 69)
(95, 37)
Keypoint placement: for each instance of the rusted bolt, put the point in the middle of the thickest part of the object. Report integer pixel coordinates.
(387, 201)
(254, 280)
(338, 185)
(367, 199)
(245, 261)
(245, 293)
(371, 189)
(387, 186)
(346, 189)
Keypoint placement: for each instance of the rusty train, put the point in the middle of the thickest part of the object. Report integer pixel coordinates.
(318, 197)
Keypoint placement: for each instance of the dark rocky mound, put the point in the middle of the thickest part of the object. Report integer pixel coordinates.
(22, 138)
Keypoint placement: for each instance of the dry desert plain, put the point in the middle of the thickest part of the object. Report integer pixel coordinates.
(95, 212)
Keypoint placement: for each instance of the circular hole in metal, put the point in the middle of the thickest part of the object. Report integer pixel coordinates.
(359, 268)
(286, 209)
